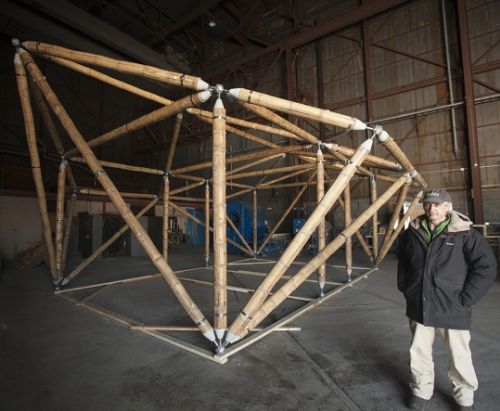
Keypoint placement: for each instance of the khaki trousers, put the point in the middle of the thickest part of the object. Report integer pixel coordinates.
(461, 372)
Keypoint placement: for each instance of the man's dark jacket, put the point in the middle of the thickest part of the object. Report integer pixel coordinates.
(443, 279)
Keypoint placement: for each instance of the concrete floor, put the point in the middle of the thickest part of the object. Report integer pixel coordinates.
(350, 355)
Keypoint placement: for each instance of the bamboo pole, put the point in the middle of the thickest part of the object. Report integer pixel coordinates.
(67, 227)
(207, 222)
(180, 328)
(253, 163)
(238, 185)
(120, 166)
(243, 157)
(240, 236)
(202, 223)
(166, 195)
(272, 302)
(392, 147)
(220, 217)
(147, 119)
(53, 133)
(173, 143)
(151, 72)
(29, 125)
(394, 217)
(239, 193)
(284, 216)
(285, 177)
(320, 193)
(186, 187)
(296, 244)
(104, 246)
(61, 191)
(187, 177)
(254, 226)
(188, 199)
(400, 226)
(348, 240)
(122, 85)
(278, 170)
(297, 109)
(247, 124)
(95, 192)
(335, 149)
(373, 198)
(142, 236)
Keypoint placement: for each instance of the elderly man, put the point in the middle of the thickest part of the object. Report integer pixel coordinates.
(445, 267)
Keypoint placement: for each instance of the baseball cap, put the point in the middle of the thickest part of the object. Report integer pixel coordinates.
(437, 196)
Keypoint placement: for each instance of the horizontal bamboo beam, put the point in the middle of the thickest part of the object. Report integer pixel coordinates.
(95, 192)
(120, 166)
(180, 328)
(297, 109)
(278, 170)
(151, 72)
(187, 187)
(253, 164)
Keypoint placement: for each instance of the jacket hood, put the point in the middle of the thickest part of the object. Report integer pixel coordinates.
(458, 222)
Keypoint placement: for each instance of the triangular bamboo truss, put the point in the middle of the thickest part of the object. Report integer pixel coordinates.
(320, 163)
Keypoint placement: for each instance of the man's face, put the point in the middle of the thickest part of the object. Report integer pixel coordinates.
(436, 212)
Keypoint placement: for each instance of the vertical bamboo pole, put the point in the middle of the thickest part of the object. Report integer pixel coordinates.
(348, 240)
(320, 193)
(166, 195)
(373, 198)
(29, 124)
(67, 228)
(61, 191)
(394, 217)
(296, 245)
(173, 143)
(142, 236)
(254, 222)
(295, 281)
(400, 226)
(207, 222)
(220, 227)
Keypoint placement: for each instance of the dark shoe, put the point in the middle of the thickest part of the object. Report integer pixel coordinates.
(417, 403)
(466, 408)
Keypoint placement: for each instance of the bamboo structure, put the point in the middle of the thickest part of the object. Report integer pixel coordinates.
(310, 161)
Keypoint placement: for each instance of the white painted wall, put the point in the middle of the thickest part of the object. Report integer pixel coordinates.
(20, 224)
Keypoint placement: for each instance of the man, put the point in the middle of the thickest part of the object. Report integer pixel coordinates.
(445, 267)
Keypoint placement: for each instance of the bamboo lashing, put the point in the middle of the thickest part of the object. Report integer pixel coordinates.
(297, 243)
(287, 288)
(348, 240)
(188, 304)
(297, 109)
(400, 226)
(284, 215)
(207, 222)
(394, 217)
(104, 246)
(154, 73)
(122, 85)
(390, 144)
(219, 216)
(29, 125)
(147, 119)
(166, 194)
(320, 192)
(173, 143)
(373, 198)
(61, 191)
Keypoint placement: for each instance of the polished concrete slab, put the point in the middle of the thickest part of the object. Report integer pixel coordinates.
(350, 355)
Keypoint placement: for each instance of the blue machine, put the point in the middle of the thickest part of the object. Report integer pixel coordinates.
(241, 214)
(297, 224)
(195, 233)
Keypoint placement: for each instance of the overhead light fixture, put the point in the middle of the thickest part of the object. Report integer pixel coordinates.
(212, 23)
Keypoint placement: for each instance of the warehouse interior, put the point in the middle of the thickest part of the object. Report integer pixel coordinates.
(200, 201)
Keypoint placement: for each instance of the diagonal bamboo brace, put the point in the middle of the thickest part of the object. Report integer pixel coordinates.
(29, 124)
(154, 73)
(296, 245)
(280, 295)
(142, 236)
